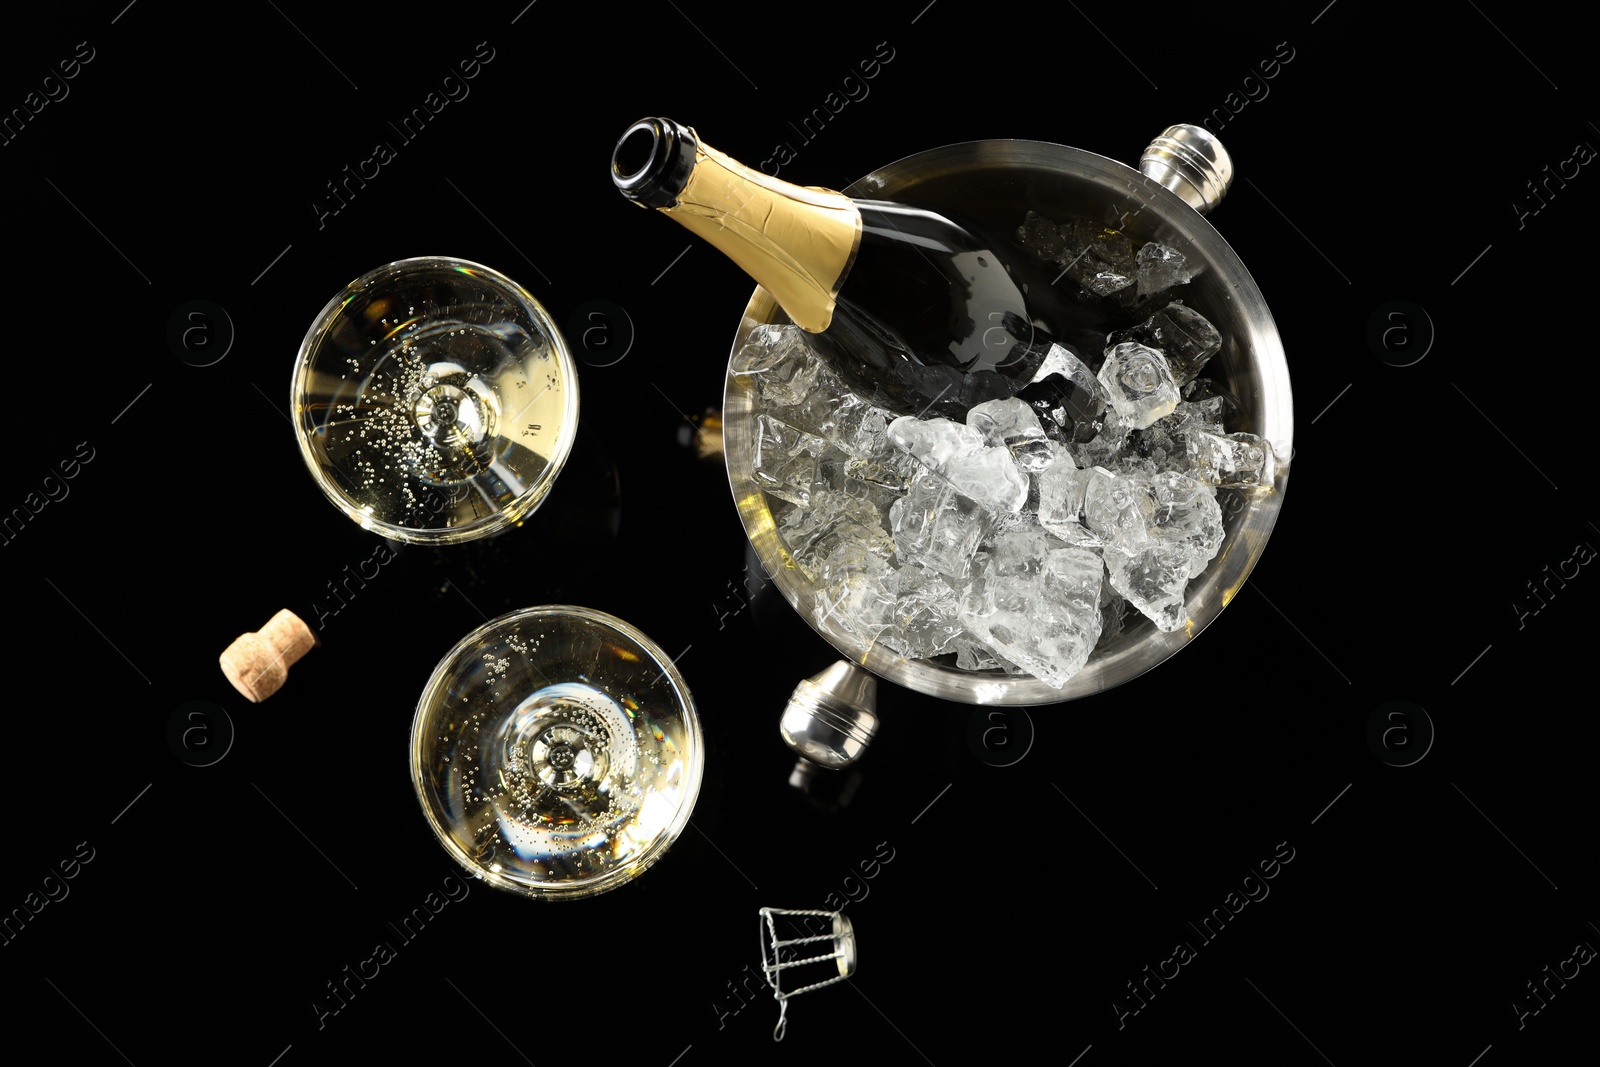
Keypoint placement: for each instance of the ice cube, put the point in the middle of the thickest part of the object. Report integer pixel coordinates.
(934, 442)
(1061, 493)
(892, 471)
(1012, 424)
(781, 362)
(842, 418)
(912, 516)
(1114, 612)
(1019, 552)
(935, 526)
(769, 345)
(843, 531)
(1233, 461)
(1181, 334)
(1105, 449)
(1041, 236)
(1186, 514)
(973, 655)
(1219, 405)
(785, 461)
(990, 478)
(1160, 268)
(1047, 625)
(1119, 509)
(1170, 442)
(958, 529)
(1099, 258)
(1153, 580)
(957, 454)
(858, 498)
(834, 517)
(855, 596)
(801, 526)
(1139, 383)
(1068, 392)
(927, 615)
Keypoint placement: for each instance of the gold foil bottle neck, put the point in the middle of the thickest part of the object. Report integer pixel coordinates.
(798, 243)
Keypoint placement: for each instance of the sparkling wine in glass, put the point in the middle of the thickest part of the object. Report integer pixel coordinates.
(435, 401)
(556, 752)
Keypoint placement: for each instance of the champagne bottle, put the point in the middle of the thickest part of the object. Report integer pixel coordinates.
(913, 308)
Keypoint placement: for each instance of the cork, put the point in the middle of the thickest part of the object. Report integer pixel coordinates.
(707, 440)
(257, 663)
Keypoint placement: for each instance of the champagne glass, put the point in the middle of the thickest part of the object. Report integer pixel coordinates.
(435, 401)
(556, 752)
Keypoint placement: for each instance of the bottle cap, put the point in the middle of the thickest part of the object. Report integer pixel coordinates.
(257, 663)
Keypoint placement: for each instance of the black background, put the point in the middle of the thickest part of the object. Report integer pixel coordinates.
(1384, 162)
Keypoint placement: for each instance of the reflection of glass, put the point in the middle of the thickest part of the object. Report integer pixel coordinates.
(556, 752)
(435, 401)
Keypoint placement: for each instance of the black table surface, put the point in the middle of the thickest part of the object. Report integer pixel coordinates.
(1373, 774)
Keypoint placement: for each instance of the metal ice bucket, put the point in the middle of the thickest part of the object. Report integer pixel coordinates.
(996, 183)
